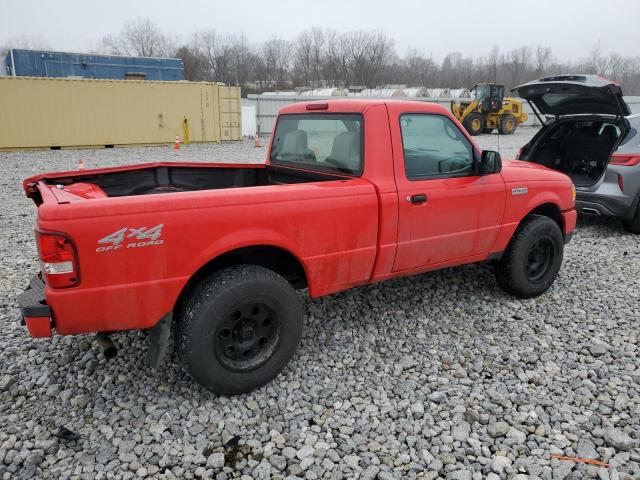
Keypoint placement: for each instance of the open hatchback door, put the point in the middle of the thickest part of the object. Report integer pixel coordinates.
(587, 126)
(574, 95)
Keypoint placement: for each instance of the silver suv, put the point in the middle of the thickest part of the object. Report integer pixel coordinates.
(592, 137)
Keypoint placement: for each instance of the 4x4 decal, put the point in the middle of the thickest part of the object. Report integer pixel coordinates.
(131, 238)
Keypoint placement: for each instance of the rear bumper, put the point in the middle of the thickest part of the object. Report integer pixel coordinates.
(590, 204)
(36, 314)
(74, 311)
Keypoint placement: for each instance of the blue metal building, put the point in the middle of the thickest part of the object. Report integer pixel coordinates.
(32, 63)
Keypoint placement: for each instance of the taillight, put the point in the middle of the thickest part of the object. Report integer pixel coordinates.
(625, 160)
(57, 259)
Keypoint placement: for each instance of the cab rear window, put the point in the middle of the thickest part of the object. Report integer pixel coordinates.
(328, 142)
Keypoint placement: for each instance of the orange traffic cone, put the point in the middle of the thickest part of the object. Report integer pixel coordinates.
(176, 145)
(80, 164)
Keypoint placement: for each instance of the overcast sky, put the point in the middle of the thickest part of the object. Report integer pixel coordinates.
(472, 27)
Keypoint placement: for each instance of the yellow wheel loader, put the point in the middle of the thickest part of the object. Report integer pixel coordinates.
(488, 109)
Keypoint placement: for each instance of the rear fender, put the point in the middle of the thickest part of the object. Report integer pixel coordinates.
(326, 271)
(247, 238)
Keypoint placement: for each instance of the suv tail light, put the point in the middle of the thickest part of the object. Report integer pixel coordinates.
(625, 160)
(58, 259)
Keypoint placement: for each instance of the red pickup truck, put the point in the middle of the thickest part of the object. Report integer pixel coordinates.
(353, 192)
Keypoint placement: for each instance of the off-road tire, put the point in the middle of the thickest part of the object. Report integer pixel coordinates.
(508, 125)
(215, 303)
(512, 272)
(474, 123)
(633, 224)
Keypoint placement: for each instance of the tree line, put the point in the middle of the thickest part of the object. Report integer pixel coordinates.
(320, 57)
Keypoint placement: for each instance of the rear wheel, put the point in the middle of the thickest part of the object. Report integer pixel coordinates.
(633, 224)
(474, 123)
(508, 124)
(533, 258)
(239, 329)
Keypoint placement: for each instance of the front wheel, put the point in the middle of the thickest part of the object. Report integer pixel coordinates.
(239, 329)
(533, 258)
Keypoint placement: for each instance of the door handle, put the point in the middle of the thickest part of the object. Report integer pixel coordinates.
(416, 199)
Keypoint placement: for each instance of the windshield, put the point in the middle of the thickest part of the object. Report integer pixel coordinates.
(323, 141)
(631, 143)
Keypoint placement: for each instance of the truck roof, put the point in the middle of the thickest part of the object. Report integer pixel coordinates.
(360, 105)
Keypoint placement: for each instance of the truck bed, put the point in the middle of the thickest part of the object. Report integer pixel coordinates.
(158, 178)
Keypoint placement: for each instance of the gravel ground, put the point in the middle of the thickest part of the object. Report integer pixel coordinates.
(440, 375)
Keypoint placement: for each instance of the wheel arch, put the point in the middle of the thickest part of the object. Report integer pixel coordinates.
(548, 209)
(275, 258)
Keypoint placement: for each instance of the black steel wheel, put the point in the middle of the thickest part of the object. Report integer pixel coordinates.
(533, 258)
(247, 336)
(239, 329)
(539, 259)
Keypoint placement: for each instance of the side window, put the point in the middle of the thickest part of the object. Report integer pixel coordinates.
(434, 147)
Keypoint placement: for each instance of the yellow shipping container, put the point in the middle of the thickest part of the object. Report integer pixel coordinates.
(62, 112)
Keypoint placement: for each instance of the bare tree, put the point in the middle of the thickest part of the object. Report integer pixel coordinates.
(597, 62)
(336, 65)
(240, 59)
(450, 70)
(517, 65)
(276, 55)
(193, 61)
(326, 57)
(420, 71)
(630, 75)
(272, 63)
(26, 42)
(543, 60)
(493, 62)
(218, 55)
(466, 69)
(615, 66)
(367, 52)
(140, 37)
(308, 56)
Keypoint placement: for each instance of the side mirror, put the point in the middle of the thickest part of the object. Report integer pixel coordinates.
(490, 162)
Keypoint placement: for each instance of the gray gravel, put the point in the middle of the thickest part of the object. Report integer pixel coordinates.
(436, 376)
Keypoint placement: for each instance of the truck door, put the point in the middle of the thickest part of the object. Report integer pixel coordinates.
(447, 213)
